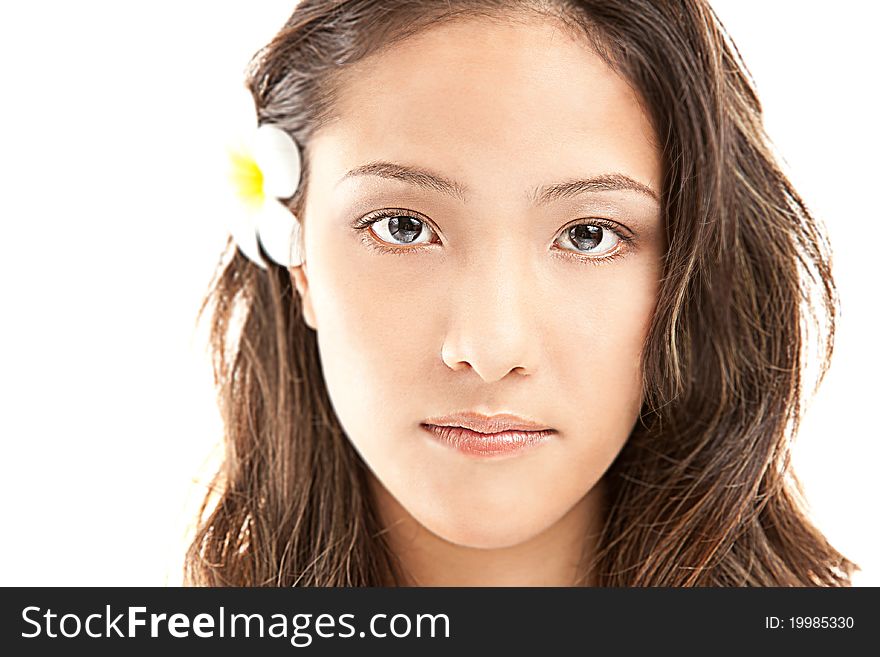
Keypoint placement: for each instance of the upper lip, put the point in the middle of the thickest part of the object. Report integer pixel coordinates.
(487, 423)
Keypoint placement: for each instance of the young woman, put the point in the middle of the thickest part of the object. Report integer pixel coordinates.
(548, 320)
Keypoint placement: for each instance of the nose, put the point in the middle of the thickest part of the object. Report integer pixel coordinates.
(492, 327)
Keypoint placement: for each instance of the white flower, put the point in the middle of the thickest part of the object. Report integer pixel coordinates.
(264, 167)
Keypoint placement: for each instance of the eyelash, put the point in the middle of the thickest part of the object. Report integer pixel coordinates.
(382, 247)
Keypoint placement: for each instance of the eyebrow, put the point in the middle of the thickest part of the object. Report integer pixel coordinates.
(540, 196)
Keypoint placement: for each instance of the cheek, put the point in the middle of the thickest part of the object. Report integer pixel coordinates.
(375, 321)
(603, 336)
(376, 339)
(597, 347)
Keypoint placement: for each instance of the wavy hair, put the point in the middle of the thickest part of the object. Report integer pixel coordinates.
(703, 493)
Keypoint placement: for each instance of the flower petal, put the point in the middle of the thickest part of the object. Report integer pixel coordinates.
(279, 232)
(242, 226)
(278, 157)
(246, 178)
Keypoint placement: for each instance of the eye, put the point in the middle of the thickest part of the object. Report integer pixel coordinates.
(398, 227)
(597, 238)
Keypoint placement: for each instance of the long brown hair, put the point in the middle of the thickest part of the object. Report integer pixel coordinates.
(703, 492)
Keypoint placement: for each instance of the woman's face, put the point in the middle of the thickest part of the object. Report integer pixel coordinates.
(502, 285)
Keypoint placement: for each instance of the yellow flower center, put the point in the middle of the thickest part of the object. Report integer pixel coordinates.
(247, 179)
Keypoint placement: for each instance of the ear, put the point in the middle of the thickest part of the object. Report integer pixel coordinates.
(300, 278)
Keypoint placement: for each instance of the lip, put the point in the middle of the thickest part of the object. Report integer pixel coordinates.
(487, 423)
(488, 435)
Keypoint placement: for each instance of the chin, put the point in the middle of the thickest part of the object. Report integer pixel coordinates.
(480, 532)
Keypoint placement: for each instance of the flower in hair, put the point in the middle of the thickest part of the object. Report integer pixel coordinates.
(264, 170)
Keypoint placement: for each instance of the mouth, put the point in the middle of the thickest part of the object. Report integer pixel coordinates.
(488, 435)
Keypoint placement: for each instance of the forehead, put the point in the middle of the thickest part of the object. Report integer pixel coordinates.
(490, 101)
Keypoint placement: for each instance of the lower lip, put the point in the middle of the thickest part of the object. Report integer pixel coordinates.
(488, 444)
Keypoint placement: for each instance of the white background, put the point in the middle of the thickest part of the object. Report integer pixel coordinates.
(111, 127)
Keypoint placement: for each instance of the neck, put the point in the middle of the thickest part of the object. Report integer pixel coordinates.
(554, 557)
